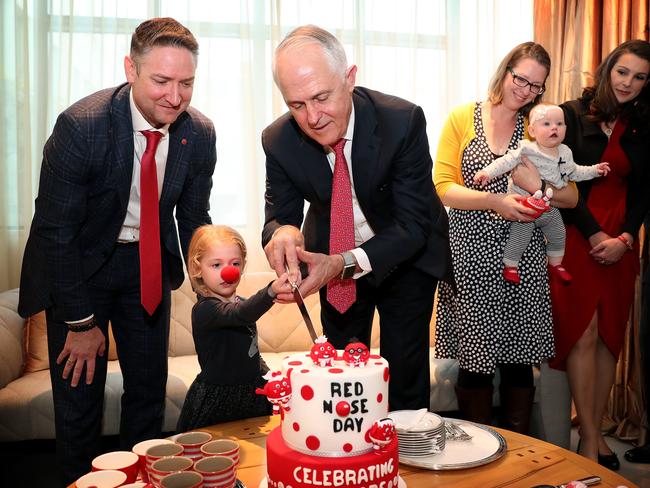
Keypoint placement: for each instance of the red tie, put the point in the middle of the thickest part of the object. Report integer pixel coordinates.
(341, 293)
(150, 261)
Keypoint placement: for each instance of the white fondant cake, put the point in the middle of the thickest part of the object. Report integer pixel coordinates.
(333, 407)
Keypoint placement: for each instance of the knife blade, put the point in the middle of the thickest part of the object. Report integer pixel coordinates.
(297, 296)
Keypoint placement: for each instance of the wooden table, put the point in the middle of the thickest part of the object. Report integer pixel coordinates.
(527, 463)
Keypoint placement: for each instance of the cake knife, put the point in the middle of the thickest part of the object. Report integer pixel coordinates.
(297, 296)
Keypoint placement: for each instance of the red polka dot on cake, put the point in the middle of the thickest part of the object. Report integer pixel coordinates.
(335, 370)
(378, 363)
(375, 356)
(386, 374)
(296, 426)
(347, 447)
(295, 363)
(304, 371)
(380, 397)
(307, 392)
(312, 442)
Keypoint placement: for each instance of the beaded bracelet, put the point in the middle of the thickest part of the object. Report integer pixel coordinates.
(84, 327)
(625, 241)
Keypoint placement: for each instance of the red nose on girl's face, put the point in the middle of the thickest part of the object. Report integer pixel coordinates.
(230, 274)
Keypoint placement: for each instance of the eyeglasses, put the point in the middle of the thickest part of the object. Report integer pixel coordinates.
(523, 82)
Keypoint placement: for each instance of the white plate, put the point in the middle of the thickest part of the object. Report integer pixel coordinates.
(485, 446)
(400, 483)
(405, 421)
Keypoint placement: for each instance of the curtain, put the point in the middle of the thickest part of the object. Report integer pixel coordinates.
(437, 53)
(578, 35)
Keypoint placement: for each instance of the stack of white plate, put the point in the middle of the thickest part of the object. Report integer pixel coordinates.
(419, 432)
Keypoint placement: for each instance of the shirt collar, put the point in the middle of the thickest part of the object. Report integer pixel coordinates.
(139, 122)
(348, 133)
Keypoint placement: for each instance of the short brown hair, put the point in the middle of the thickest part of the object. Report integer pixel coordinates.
(525, 50)
(161, 31)
(203, 237)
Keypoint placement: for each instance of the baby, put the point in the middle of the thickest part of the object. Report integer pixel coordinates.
(555, 164)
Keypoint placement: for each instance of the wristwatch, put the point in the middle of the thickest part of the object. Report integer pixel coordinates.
(349, 265)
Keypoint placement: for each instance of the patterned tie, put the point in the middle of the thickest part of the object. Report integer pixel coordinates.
(341, 293)
(150, 261)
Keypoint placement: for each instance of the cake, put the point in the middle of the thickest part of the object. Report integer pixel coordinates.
(334, 431)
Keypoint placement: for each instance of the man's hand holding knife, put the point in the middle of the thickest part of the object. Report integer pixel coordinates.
(285, 251)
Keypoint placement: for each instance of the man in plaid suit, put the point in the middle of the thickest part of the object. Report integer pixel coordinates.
(82, 259)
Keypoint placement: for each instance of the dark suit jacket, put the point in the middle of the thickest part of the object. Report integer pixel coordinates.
(391, 168)
(84, 192)
(588, 142)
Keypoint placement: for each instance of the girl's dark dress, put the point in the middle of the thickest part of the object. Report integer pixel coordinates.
(225, 337)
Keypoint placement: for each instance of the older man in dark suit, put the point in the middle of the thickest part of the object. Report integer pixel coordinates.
(375, 233)
(103, 244)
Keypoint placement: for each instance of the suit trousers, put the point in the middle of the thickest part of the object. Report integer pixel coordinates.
(141, 341)
(404, 301)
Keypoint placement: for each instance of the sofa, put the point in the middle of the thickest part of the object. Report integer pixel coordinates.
(26, 410)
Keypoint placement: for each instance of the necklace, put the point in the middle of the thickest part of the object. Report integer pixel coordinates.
(607, 129)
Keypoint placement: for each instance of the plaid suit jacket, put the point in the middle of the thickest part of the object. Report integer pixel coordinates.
(84, 192)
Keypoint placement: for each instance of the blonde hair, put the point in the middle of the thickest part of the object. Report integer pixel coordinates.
(525, 50)
(539, 111)
(204, 237)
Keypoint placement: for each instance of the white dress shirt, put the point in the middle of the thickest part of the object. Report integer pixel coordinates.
(130, 230)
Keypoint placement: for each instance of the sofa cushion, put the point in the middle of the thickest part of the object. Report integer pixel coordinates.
(11, 338)
(35, 343)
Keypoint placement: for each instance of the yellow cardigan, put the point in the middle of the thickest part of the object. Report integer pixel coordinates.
(457, 133)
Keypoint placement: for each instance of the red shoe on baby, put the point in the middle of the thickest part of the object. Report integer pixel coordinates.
(511, 274)
(561, 272)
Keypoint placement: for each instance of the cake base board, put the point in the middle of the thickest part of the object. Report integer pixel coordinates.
(400, 483)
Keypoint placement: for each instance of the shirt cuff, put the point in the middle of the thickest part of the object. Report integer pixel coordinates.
(72, 322)
(363, 262)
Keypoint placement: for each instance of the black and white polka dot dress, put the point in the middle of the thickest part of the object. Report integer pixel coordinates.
(490, 321)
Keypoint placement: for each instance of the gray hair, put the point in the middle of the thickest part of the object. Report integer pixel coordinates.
(312, 34)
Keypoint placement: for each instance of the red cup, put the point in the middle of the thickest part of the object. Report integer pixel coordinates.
(217, 471)
(168, 465)
(110, 478)
(159, 451)
(141, 450)
(184, 479)
(192, 442)
(222, 447)
(125, 461)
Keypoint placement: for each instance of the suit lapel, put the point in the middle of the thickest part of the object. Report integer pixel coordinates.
(180, 143)
(122, 136)
(365, 149)
(311, 160)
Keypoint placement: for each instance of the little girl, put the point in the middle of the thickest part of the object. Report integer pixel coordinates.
(224, 331)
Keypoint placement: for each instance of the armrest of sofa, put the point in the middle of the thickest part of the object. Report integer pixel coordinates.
(11, 338)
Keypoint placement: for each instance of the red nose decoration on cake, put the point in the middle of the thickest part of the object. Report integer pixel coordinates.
(277, 391)
(356, 354)
(343, 408)
(230, 274)
(381, 433)
(322, 352)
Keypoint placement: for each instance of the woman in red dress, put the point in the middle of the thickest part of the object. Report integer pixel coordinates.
(610, 122)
